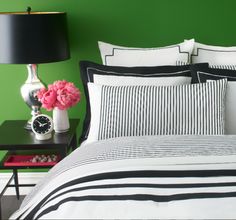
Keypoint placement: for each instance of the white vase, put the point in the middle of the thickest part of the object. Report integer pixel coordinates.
(60, 120)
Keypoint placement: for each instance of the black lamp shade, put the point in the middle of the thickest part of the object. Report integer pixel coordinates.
(38, 37)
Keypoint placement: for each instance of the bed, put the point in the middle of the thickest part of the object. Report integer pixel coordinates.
(158, 141)
(158, 177)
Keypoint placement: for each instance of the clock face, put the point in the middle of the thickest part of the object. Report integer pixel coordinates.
(42, 124)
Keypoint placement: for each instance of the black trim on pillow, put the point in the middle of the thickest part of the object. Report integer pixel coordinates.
(215, 50)
(159, 71)
(218, 66)
(158, 48)
(88, 69)
(202, 74)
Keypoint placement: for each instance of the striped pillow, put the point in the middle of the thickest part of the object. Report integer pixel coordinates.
(225, 67)
(196, 109)
(109, 75)
(204, 74)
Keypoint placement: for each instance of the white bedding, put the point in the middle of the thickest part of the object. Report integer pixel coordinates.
(150, 177)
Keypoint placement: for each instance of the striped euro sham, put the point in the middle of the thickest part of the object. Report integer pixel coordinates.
(118, 111)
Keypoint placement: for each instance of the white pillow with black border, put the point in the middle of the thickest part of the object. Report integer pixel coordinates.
(195, 109)
(114, 55)
(216, 56)
(133, 81)
(201, 74)
(230, 108)
(154, 75)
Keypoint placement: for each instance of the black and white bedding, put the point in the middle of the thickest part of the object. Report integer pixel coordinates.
(147, 177)
(154, 145)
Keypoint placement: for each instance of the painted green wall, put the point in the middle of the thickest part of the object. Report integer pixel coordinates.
(138, 23)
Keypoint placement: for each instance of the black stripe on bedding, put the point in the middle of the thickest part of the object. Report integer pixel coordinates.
(141, 185)
(118, 149)
(196, 109)
(129, 174)
(139, 197)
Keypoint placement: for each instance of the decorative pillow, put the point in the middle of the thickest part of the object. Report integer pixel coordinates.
(160, 75)
(195, 109)
(132, 80)
(114, 55)
(204, 74)
(89, 69)
(216, 56)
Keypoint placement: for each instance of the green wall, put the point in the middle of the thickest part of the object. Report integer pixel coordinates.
(138, 23)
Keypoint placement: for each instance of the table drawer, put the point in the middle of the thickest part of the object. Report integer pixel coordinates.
(30, 160)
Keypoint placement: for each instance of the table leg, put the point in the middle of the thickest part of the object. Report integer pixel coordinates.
(0, 209)
(63, 152)
(74, 143)
(16, 183)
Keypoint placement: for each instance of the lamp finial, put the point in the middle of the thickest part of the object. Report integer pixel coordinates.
(28, 9)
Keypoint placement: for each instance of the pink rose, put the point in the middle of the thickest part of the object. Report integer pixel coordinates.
(41, 92)
(67, 96)
(61, 94)
(48, 99)
(60, 84)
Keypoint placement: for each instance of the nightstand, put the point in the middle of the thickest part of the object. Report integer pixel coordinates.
(14, 138)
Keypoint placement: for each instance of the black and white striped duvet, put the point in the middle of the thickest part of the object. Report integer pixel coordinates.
(149, 177)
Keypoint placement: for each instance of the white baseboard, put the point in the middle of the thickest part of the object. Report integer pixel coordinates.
(24, 178)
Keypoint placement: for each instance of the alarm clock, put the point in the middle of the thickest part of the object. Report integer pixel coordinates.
(42, 126)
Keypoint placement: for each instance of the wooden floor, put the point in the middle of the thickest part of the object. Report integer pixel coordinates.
(9, 205)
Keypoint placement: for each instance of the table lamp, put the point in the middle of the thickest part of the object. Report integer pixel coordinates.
(32, 38)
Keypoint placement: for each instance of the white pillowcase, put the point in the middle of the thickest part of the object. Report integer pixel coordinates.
(216, 56)
(114, 55)
(132, 81)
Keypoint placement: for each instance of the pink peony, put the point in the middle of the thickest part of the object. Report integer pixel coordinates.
(60, 84)
(61, 94)
(41, 92)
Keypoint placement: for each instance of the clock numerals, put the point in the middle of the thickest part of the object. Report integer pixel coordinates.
(42, 125)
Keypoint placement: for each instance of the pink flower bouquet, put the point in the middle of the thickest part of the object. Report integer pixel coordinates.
(60, 94)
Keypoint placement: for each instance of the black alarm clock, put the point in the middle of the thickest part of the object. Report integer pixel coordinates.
(42, 126)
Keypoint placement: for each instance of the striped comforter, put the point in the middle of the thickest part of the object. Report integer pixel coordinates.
(149, 177)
